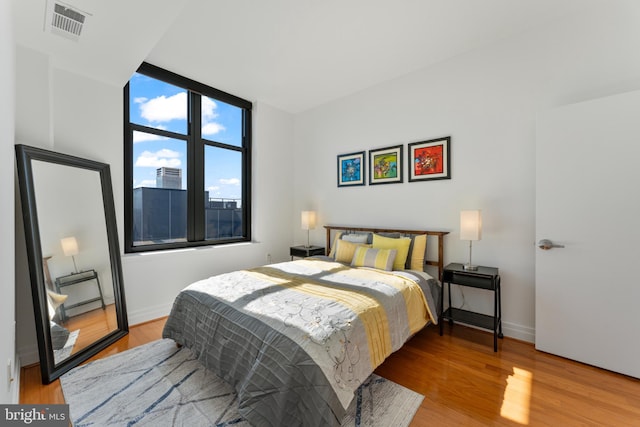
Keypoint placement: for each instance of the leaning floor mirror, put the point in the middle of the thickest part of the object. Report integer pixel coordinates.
(73, 255)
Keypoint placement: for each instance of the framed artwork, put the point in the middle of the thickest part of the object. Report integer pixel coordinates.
(351, 169)
(385, 165)
(430, 159)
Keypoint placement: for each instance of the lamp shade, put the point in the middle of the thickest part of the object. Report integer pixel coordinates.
(470, 225)
(69, 246)
(308, 220)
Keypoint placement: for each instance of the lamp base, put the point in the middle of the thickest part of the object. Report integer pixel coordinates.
(470, 267)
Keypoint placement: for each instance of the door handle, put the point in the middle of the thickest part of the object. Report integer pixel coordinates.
(546, 244)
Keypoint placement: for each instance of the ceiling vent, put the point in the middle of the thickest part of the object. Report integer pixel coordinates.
(64, 20)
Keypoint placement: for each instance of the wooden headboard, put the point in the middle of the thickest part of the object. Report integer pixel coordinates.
(437, 235)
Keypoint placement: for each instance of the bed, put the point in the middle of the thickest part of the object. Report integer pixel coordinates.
(297, 338)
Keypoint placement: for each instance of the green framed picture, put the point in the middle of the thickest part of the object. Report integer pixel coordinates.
(385, 165)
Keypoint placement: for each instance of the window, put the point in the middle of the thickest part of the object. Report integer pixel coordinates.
(187, 163)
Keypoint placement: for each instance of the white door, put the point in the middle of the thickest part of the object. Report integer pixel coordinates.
(588, 199)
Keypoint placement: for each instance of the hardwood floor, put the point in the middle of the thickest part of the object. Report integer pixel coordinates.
(93, 325)
(464, 382)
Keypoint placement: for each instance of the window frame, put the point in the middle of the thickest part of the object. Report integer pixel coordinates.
(196, 227)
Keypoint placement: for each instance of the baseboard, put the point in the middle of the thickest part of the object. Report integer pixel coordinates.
(511, 330)
(149, 313)
(519, 332)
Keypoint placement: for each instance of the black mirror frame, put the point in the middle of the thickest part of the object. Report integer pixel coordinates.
(25, 154)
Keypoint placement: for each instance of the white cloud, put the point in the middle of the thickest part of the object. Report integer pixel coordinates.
(163, 158)
(164, 109)
(212, 128)
(165, 152)
(209, 126)
(143, 136)
(208, 109)
(230, 181)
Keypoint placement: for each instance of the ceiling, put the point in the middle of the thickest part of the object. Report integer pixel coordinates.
(291, 54)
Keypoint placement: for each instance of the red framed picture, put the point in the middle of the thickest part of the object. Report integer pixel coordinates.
(430, 159)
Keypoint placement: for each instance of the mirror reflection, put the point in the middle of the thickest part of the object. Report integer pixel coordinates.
(74, 257)
(73, 238)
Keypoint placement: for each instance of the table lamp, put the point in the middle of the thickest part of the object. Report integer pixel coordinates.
(70, 248)
(308, 220)
(470, 229)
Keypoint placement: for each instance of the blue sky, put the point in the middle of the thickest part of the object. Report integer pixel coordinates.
(160, 105)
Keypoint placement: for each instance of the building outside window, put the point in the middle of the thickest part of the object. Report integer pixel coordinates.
(187, 163)
(169, 178)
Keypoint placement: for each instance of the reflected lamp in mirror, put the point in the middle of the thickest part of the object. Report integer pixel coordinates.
(470, 229)
(308, 220)
(70, 248)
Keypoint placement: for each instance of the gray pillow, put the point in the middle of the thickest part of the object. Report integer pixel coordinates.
(390, 235)
(356, 237)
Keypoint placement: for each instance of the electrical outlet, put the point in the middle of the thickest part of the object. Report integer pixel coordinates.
(268, 258)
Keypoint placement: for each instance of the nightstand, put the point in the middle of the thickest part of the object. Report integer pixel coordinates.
(305, 251)
(482, 278)
(74, 279)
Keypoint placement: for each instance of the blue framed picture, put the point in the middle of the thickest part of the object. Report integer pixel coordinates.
(351, 169)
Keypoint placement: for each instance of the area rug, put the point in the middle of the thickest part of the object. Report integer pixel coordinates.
(65, 352)
(159, 385)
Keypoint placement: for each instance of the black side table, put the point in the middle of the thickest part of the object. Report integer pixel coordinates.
(75, 278)
(482, 278)
(305, 251)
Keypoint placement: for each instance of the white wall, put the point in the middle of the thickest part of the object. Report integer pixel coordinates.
(87, 122)
(33, 126)
(34, 119)
(8, 389)
(487, 101)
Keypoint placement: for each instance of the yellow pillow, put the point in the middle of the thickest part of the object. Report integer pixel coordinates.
(374, 258)
(401, 245)
(345, 250)
(418, 252)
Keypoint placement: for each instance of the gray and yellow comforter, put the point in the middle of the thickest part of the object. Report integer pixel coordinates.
(296, 339)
